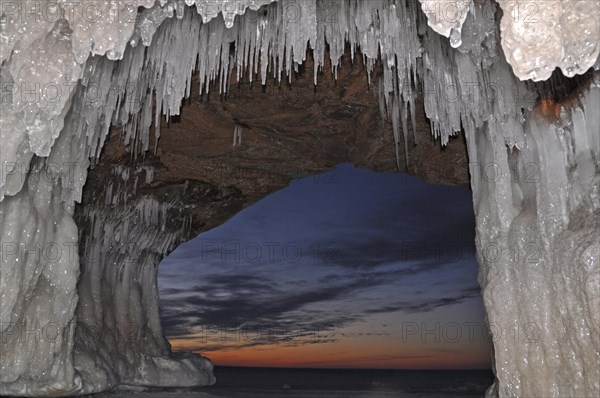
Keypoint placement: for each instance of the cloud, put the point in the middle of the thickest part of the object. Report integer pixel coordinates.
(261, 308)
(249, 301)
(423, 306)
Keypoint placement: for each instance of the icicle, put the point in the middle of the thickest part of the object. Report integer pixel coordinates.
(403, 116)
(413, 119)
(395, 117)
(237, 135)
(108, 197)
(149, 170)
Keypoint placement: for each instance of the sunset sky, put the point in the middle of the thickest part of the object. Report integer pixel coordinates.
(352, 269)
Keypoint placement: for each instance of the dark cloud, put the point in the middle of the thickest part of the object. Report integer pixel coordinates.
(267, 309)
(422, 306)
(264, 305)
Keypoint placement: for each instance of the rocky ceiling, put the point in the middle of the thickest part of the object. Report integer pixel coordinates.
(288, 131)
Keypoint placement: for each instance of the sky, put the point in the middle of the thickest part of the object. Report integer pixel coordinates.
(346, 269)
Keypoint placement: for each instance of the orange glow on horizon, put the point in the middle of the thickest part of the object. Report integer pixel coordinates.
(341, 354)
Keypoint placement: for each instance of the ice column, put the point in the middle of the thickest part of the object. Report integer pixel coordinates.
(538, 223)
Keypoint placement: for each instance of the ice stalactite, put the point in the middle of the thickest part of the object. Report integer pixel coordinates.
(237, 135)
(447, 17)
(67, 80)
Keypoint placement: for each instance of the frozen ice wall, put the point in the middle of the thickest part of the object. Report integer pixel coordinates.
(538, 229)
(119, 338)
(76, 321)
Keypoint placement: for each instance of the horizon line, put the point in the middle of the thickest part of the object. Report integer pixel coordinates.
(350, 368)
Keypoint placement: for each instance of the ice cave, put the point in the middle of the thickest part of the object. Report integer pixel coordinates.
(87, 87)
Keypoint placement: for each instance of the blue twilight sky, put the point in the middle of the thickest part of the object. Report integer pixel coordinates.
(351, 268)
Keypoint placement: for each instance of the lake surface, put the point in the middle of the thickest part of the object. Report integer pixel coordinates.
(239, 382)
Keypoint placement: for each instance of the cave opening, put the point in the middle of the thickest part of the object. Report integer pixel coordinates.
(346, 269)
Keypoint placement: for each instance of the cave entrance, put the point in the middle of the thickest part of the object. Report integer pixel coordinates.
(345, 269)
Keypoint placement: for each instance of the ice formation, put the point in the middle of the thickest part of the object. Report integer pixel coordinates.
(537, 37)
(540, 36)
(447, 17)
(70, 71)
